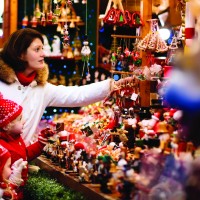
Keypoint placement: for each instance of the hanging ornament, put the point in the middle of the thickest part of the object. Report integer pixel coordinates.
(59, 28)
(128, 17)
(110, 17)
(161, 45)
(57, 11)
(65, 31)
(34, 22)
(152, 41)
(43, 19)
(172, 52)
(25, 19)
(50, 13)
(65, 36)
(121, 18)
(38, 13)
(137, 20)
(72, 24)
(85, 51)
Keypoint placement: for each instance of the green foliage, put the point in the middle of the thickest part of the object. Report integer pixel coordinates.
(41, 186)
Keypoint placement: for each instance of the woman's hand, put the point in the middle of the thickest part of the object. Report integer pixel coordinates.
(44, 135)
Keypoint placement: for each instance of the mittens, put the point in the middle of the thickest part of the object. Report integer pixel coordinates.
(17, 167)
(44, 135)
(1, 193)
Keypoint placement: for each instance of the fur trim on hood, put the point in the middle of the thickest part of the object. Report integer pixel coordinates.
(7, 74)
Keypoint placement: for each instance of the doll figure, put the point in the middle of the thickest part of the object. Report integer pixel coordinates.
(10, 176)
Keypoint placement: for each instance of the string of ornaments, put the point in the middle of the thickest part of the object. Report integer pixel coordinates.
(42, 17)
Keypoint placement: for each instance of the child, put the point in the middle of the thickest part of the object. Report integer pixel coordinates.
(10, 177)
(11, 126)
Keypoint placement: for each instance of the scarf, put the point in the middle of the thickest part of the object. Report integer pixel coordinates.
(25, 80)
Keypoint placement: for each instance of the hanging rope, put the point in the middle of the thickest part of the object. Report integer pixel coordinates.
(86, 16)
(24, 7)
(25, 19)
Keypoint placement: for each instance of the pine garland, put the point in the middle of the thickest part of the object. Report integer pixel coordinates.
(41, 186)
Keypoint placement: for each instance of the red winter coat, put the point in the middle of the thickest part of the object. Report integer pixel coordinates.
(18, 149)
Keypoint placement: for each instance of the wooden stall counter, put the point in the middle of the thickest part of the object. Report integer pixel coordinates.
(89, 190)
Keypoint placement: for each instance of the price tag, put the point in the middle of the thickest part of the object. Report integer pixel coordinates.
(134, 96)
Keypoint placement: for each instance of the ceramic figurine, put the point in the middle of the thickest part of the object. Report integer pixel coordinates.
(56, 46)
(47, 47)
(104, 174)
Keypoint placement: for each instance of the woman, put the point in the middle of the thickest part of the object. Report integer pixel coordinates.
(23, 79)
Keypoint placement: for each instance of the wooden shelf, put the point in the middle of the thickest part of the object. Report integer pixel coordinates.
(58, 58)
(125, 36)
(62, 58)
(90, 191)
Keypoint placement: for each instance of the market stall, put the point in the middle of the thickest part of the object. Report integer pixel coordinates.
(142, 141)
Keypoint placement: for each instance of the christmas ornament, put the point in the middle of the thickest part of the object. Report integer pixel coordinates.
(152, 41)
(172, 51)
(85, 51)
(37, 10)
(25, 19)
(65, 36)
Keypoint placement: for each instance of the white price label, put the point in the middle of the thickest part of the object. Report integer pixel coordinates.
(134, 96)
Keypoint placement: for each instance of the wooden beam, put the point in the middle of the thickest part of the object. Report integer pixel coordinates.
(89, 190)
(6, 20)
(13, 15)
(9, 19)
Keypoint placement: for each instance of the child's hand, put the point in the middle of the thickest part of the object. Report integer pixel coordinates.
(17, 167)
(44, 135)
